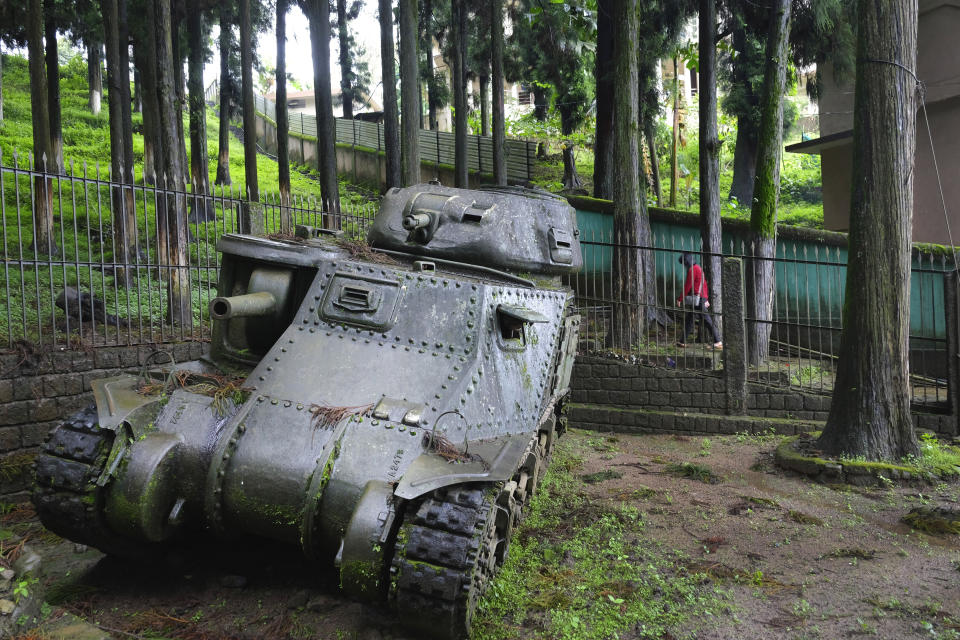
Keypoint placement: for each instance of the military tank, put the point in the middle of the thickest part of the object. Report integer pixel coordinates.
(388, 407)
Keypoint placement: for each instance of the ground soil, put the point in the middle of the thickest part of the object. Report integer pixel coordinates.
(796, 559)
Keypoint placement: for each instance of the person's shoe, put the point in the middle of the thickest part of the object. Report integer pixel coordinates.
(681, 345)
(717, 345)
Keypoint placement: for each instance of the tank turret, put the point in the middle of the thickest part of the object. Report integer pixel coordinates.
(388, 409)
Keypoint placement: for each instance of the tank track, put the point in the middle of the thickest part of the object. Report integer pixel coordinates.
(453, 542)
(444, 559)
(65, 495)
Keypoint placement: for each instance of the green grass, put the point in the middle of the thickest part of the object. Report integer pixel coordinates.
(84, 220)
(582, 568)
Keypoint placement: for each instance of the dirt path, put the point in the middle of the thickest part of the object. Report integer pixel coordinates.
(770, 555)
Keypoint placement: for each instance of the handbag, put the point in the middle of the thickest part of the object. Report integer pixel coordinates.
(691, 301)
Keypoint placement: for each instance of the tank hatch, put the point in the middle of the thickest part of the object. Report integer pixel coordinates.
(510, 228)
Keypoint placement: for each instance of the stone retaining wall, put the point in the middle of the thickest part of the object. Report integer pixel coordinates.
(611, 395)
(37, 390)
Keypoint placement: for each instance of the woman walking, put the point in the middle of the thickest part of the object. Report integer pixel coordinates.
(695, 296)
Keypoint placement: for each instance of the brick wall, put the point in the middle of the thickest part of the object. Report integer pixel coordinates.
(38, 390)
(612, 395)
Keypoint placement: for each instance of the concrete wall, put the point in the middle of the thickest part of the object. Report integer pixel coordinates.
(37, 392)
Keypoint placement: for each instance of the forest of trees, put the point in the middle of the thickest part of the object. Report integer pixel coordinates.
(579, 57)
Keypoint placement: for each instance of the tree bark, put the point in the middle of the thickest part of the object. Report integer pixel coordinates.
(632, 268)
(283, 124)
(326, 126)
(409, 94)
(1, 86)
(651, 136)
(744, 163)
(145, 57)
(540, 102)
(94, 78)
(137, 91)
(428, 51)
(674, 165)
(223, 141)
(171, 210)
(603, 141)
(176, 18)
(499, 130)
(199, 171)
(391, 110)
(710, 230)
(484, 109)
(126, 117)
(458, 35)
(761, 284)
(249, 113)
(43, 240)
(870, 412)
(343, 35)
(53, 91)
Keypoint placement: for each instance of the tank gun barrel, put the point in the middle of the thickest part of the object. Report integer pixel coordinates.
(261, 303)
(415, 221)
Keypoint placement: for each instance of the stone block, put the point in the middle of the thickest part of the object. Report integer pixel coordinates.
(130, 357)
(578, 395)
(28, 388)
(44, 409)
(106, 358)
(775, 402)
(6, 391)
(699, 400)
(81, 362)
(15, 412)
(691, 385)
(61, 361)
(669, 384)
(639, 398)
(68, 405)
(9, 438)
(599, 397)
(638, 384)
(35, 433)
(660, 399)
(718, 401)
(792, 402)
(668, 421)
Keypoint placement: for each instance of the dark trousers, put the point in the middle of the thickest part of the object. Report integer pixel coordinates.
(705, 319)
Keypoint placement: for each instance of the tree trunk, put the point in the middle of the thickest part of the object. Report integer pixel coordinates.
(171, 213)
(428, 51)
(744, 164)
(180, 84)
(603, 139)
(745, 151)
(870, 412)
(484, 109)
(458, 36)
(283, 124)
(126, 122)
(326, 127)
(499, 139)
(94, 78)
(137, 91)
(391, 110)
(249, 114)
(540, 102)
(43, 240)
(766, 189)
(632, 268)
(199, 171)
(53, 92)
(571, 179)
(145, 57)
(651, 136)
(346, 89)
(1, 86)
(710, 230)
(409, 94)
(223, 141)
(674, 165)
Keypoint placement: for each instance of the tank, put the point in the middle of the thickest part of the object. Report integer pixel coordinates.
(388, 408)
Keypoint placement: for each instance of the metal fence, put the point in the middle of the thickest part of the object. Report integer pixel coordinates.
(77, 294)
(82, 296)
(435, 146)
(804, 327)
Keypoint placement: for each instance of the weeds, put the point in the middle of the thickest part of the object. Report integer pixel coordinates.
(694, 472)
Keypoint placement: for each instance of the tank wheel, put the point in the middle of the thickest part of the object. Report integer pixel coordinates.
(65, 494)
(446, 555)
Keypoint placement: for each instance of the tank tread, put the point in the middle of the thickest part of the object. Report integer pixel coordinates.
(440, 565)
(65, 494)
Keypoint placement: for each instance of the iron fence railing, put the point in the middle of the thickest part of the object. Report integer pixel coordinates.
(81, 294)
(77, 291)
(804, 325)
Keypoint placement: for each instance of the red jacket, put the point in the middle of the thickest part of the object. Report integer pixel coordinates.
(695, 282)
